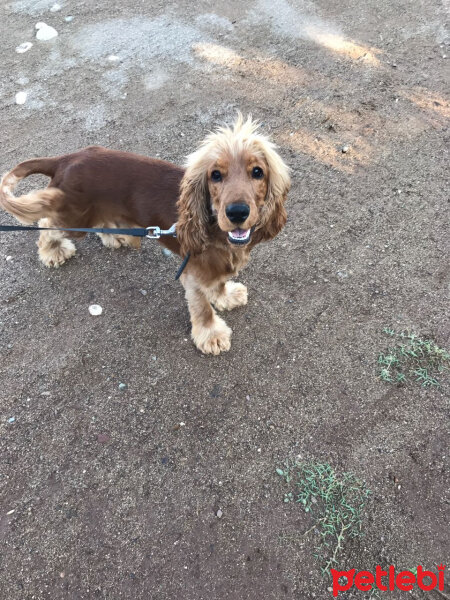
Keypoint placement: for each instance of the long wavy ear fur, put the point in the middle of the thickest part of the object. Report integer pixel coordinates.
(274, 216)
(193, 216)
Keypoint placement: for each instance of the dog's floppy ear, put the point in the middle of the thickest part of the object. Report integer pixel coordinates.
(193, 214)
(273, 217)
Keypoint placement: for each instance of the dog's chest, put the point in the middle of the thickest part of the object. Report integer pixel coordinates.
(236, 262)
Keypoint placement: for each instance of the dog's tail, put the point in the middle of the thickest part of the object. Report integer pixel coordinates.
(33, 206)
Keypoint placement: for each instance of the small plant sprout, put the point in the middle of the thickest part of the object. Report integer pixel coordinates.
(412, 359)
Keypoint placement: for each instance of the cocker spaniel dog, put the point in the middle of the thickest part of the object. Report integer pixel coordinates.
(229, 198)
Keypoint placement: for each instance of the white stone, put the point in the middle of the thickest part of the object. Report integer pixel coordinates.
(21, 97)
(56, 7)
(95, 310)
(24, 47)
(45, 32)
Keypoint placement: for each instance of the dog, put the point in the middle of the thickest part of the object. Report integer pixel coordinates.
(229, 197)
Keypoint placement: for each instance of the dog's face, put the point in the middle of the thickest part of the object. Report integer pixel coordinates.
(237, 188)
(237, 175)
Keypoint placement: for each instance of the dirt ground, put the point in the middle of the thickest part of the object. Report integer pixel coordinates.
(111, 497)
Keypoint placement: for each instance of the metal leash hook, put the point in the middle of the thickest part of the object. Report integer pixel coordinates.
(157, 232)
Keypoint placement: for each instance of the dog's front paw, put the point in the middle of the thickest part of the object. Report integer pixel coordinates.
(235, 295)
(214, 339)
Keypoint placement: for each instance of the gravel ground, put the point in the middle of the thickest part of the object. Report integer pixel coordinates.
(112, 497)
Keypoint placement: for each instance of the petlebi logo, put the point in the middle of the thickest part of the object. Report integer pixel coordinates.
(388, 580)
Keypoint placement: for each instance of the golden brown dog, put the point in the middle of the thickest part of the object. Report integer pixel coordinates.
(229, 198)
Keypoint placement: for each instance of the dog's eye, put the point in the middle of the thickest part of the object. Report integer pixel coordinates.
(216, 176)
(257, 173)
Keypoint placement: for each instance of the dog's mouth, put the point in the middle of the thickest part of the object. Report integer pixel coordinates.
(240, 236)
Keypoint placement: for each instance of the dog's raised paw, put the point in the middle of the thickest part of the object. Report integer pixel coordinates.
(235, 295)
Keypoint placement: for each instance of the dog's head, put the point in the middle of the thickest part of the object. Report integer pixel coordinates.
(237, 177)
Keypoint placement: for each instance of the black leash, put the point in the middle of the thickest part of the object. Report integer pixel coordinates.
(152, 233)
(183, 266)
(137, 232)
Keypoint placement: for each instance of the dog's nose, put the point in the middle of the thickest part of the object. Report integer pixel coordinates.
(237, 213)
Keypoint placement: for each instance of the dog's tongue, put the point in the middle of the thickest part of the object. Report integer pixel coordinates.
(239, 233)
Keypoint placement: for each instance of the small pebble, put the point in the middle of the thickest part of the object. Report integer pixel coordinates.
(219, 514)
(95, 310)
(45, 393)
(10, 512)
(56, 8)
(345, 149)
(21, 97)
(8, 258)
(24, 47)
(68, 19)
(11, 419)
(45, 32)
(122, 386)
(114, 59)
(143, 292)
(166, 252)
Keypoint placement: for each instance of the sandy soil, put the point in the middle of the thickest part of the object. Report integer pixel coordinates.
(111, 498)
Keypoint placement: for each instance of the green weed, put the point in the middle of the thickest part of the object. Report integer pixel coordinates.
(335, 501)
(412, 359)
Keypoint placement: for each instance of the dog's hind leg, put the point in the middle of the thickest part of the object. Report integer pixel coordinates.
(54, 247)
(116, 241)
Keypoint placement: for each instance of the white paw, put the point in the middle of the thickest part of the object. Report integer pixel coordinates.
(57, 255)
(212, 340)
(235, 295)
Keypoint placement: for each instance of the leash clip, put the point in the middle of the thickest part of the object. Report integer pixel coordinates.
(154, 233)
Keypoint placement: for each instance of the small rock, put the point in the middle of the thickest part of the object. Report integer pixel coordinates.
(95, 310)
(342, 274)
(123, 387)
(8, 258)
(24, 47)
(10, 512)
(11, 419)
(166, 252)
(21, 98)
(219, 514)
(56, 8)
(68, 19)
(45, 32)
(345, 149)
(143, 292)
(112, 58)
(45, 393)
